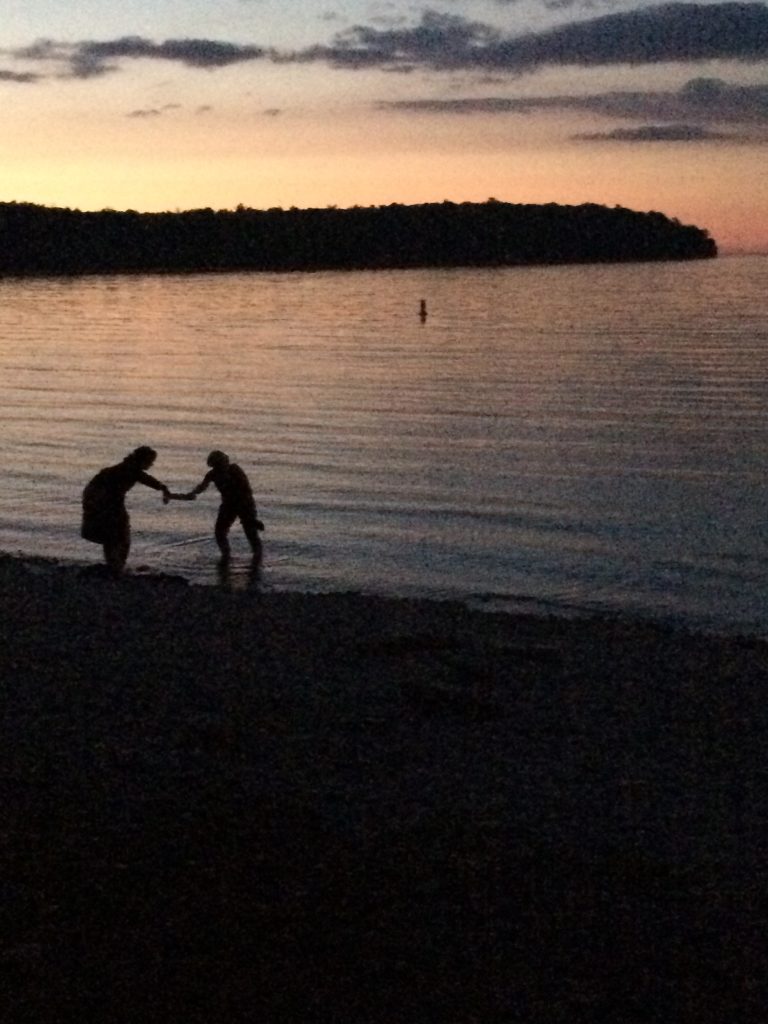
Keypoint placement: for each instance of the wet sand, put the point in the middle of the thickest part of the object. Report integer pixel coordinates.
(225, 807)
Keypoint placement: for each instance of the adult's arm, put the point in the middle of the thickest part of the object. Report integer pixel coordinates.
(149, 481)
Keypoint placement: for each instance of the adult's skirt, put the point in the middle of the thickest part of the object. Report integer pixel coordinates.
(104, 522)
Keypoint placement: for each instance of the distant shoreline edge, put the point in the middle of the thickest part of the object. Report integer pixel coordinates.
(41, 241)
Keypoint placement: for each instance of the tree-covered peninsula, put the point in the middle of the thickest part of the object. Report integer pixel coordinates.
(43, 240)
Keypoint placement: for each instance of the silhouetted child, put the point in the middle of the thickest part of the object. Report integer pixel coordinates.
(105, 517)
(237, 501)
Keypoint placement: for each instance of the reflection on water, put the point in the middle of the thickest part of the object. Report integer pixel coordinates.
(586, 436)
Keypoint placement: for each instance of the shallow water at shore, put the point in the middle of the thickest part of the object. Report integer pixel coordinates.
(550, 438)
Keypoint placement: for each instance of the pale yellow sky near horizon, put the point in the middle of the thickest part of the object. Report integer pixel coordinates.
(107, 115)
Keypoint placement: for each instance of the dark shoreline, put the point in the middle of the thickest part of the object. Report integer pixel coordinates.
(54, 241)
(332, 268)
(225, 807)
(238, 578)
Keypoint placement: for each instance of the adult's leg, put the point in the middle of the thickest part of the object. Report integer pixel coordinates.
(117, 548)
(224, 521)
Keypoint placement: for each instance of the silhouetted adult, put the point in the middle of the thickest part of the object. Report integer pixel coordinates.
(237, 502)
(105, 517)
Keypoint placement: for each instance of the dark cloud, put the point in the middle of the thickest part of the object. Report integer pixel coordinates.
(687, 32)
(24, 78)
(153, 111)
(564, 5)
(92, 59)
(670, 32)
(43, 49)
(661, 133)
(701, 100)
(471, 105)
(441, 41)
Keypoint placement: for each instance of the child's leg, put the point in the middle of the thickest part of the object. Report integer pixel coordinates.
(224, 521)
(251, 530)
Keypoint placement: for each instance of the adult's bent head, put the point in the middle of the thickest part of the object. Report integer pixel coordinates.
(144, 456)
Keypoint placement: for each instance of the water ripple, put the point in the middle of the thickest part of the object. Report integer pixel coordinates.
(567, 436)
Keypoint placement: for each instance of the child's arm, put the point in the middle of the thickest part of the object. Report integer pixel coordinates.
(202, 485)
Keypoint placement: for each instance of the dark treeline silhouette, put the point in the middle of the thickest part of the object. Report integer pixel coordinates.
(42, 240)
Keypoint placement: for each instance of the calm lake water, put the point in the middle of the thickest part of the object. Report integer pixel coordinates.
(565, 438)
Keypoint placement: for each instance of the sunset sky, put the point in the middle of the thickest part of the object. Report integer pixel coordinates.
(178, 104)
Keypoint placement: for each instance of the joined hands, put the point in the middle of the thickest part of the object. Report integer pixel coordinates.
(170, 496)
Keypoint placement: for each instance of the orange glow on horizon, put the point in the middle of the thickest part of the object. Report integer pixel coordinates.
(719, 188)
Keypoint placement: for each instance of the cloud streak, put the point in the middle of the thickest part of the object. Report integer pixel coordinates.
(661, 133)
(699, 101)
(154, 111)
(440, 41)
(685, 32)
(92, 59)
(23, 78)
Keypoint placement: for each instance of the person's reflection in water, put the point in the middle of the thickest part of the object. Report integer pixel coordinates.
(237, 502)
(240, 579)
(105, 517)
